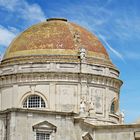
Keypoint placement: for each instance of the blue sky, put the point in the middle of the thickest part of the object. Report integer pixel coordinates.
(115, 22)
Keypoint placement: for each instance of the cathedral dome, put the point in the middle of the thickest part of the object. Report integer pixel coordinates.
(54, 39)
(58, 68)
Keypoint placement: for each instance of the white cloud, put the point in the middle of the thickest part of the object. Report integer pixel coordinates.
(127, 28)
(24, 10)
(119, 55)
(132, 55)
(7, 35)
(9, 4)
(33, 12)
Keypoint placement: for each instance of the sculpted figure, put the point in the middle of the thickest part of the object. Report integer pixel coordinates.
(82, 53)
(91, 108)
(122, 115)
(82, 106)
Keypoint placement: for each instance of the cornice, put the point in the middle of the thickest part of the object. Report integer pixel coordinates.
(107, 127)
(38, 77)
(41, 59)
(38, 111)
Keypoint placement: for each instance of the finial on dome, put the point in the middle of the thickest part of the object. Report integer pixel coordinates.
(53, 19)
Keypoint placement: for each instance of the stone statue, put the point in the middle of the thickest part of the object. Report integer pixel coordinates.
(122, 115)
(82, 106)
(82, 54)
(87, 108)
(91, 109)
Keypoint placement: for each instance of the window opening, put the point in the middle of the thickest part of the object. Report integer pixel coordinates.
(42, 136)
(34, 101)
(113, 107)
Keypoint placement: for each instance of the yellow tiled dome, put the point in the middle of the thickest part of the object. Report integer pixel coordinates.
(54, 37)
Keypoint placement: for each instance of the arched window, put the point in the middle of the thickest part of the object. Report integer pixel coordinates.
(34, 101)
(114, 106)
(112, 110)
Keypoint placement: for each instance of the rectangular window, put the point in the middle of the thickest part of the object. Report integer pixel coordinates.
(42, 136)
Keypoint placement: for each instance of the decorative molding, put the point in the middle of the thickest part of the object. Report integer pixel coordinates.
(45, 126)
(34, 92)
(94, 59)
(33, 77)
(38, 111)
(60, 67)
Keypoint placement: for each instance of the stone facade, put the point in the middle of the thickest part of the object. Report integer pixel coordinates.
(59, 98)
(62, 87)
